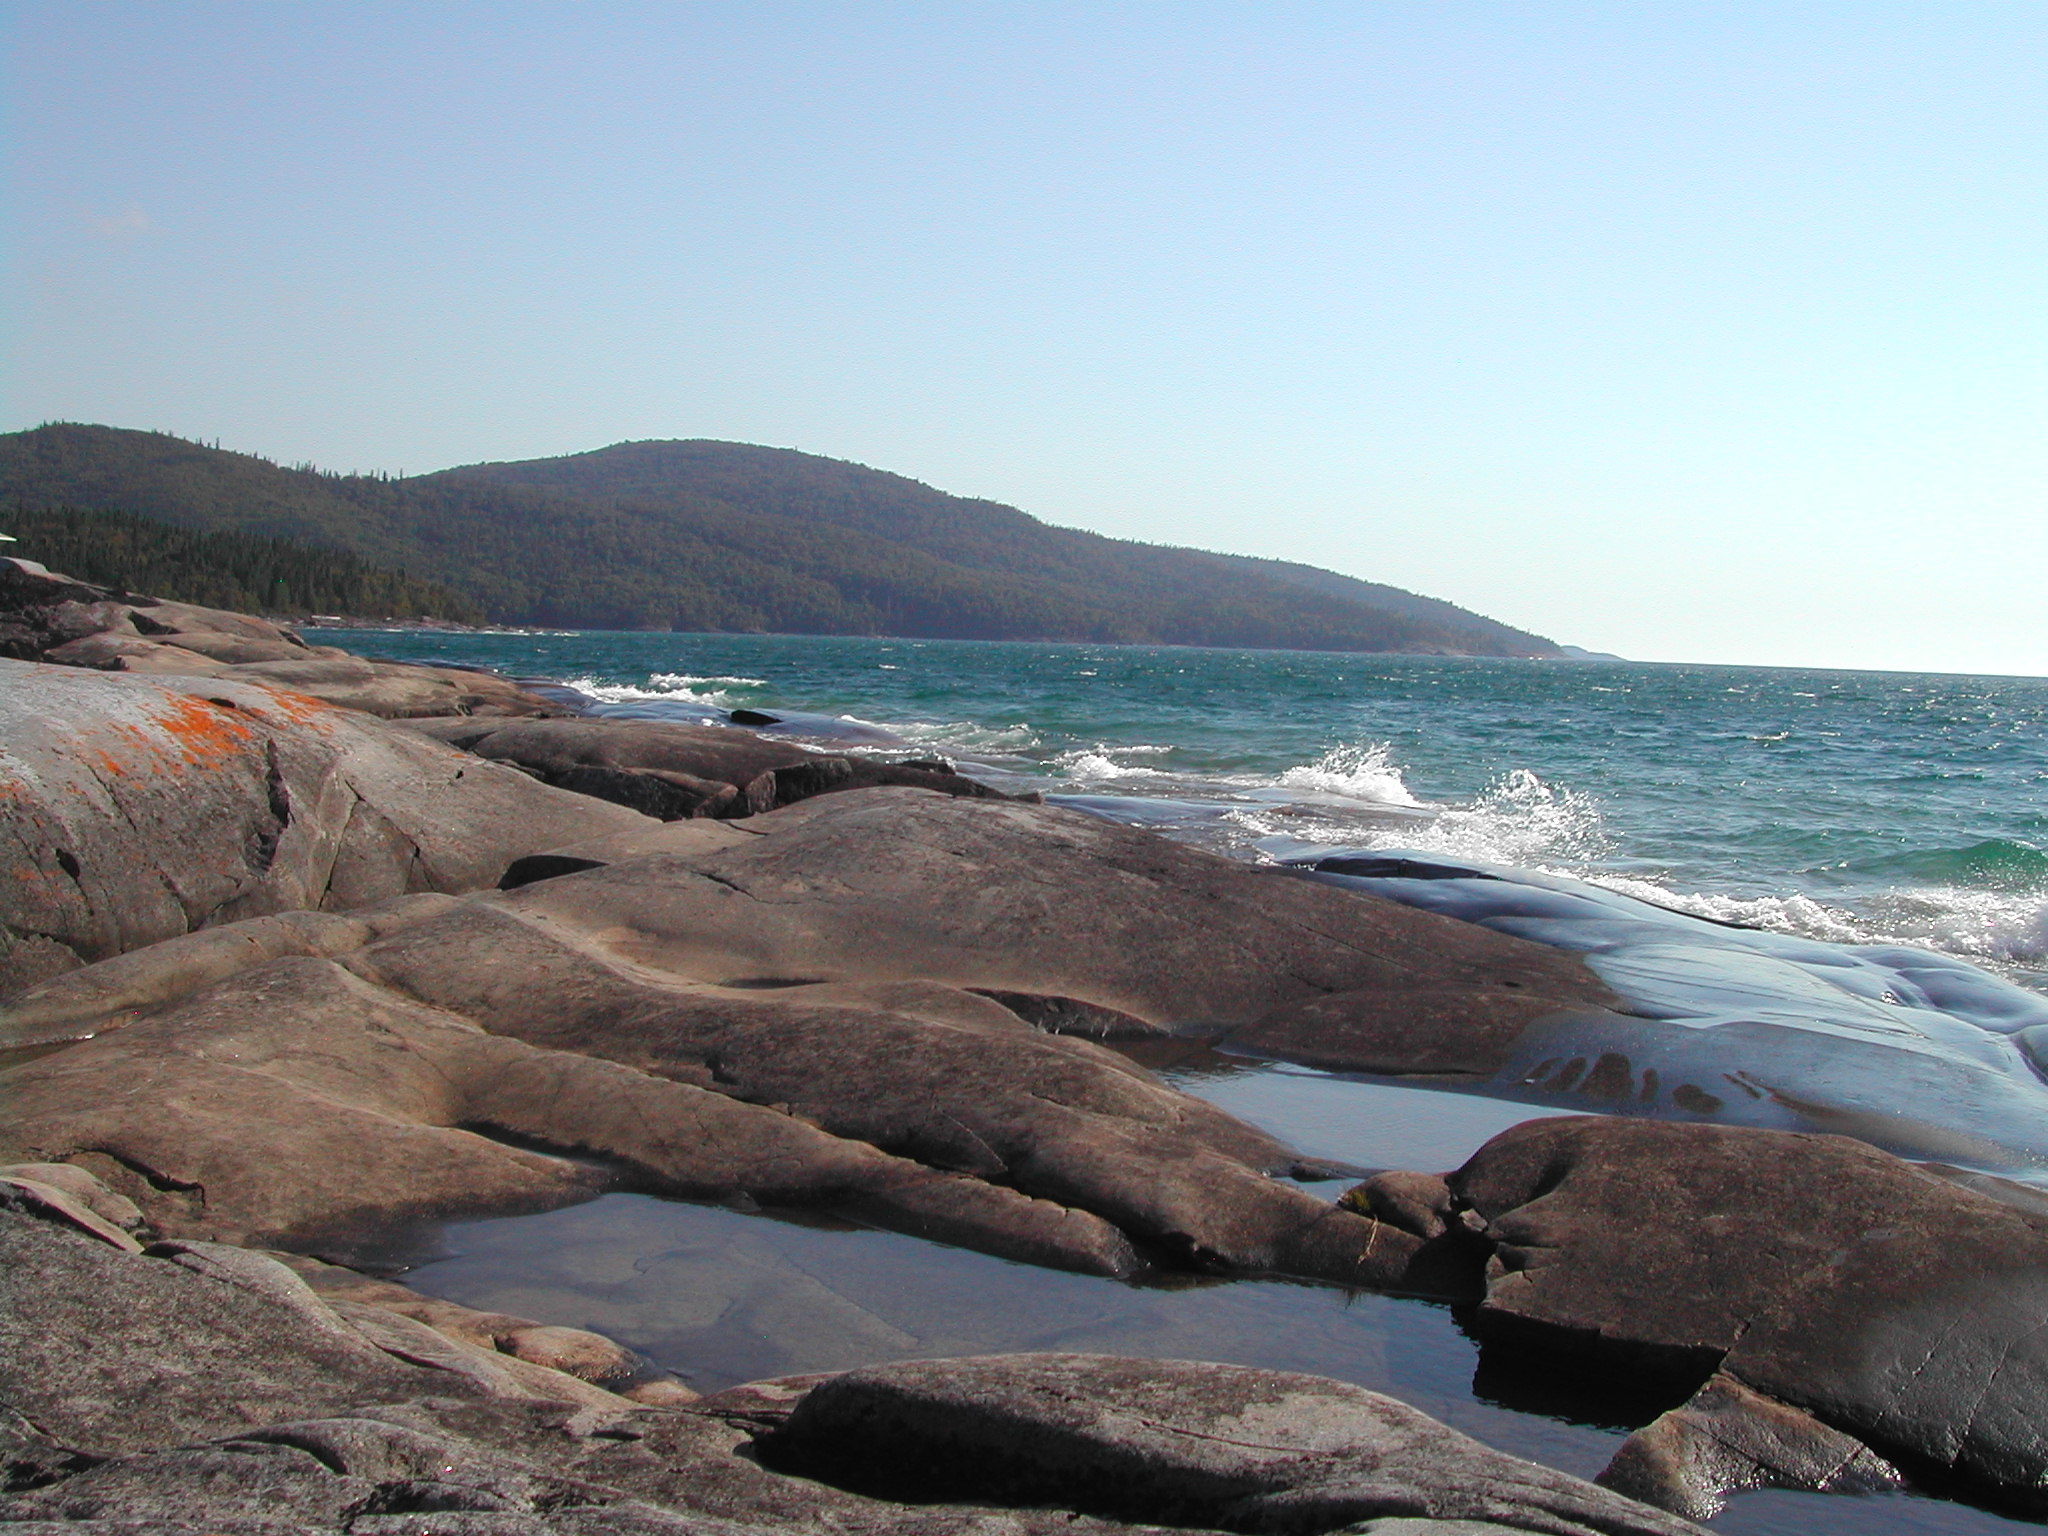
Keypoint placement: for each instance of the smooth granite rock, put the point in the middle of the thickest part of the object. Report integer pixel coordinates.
(297, 1106)
(677, 771)
(109, 1352)
(135, 809)
(924, 1071)
(1818, 1276)
(1173, 1442)
(891, 885)
(113, 992)
(797, 1009)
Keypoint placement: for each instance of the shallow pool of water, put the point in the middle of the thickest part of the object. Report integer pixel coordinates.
(1364, 1122)
(722, 1296)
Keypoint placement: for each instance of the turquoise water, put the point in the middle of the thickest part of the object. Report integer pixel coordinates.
(1851, 807)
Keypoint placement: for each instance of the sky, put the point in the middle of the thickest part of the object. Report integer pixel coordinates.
(1692, 332)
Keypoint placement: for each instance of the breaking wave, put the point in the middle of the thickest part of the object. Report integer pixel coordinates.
(1363, 772)
(672, 687)
(1099, 766)
(1987, 902)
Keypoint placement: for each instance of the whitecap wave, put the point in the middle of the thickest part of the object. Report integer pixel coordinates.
(1097, 766)
(685, 680)
(675, 687)
(2005, 931)
(1366, 771)
(1517, 820)
(1998, 927)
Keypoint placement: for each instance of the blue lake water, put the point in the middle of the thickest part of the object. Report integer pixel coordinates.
(1881, 838)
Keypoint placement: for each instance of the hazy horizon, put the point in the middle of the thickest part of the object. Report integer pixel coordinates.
(1709, 335)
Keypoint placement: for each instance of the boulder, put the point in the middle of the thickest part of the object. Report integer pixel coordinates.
(675, 771)
(1174, 1442)
(135, 809)
(1860, 1311)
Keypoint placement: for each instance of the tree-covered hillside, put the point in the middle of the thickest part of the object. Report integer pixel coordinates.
(727, 536)
(243, 571)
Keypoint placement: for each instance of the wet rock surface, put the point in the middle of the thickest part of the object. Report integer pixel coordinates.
(1917, 1052)
(1730, 1439)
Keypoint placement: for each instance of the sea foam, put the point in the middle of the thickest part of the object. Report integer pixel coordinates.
(670, 687)
(1365, 771)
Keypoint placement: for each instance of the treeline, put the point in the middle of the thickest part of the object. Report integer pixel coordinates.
(246, 572)
(739, 538)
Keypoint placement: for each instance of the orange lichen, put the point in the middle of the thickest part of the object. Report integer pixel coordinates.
(208, 733)
(303, 707)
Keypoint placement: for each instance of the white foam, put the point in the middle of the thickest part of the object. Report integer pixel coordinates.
(675, 687)
(2003, 927)
(1363, 772)
(1098, 767)
(1518, 820)
(1799, 915)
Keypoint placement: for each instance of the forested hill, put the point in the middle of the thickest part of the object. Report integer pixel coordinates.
(727, 536)
(245, 572)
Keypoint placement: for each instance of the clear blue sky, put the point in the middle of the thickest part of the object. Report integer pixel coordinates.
(1689, 331)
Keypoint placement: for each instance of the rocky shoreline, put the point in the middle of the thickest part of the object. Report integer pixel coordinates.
(299, 947)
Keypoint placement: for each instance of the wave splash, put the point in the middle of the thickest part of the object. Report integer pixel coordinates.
(1519, 819)
(670, 687)
(1365, 771)
(1099, 765)
(1987, 902)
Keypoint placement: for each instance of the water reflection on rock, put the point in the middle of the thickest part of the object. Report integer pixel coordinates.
(1920, 1053)
(724, 1297)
